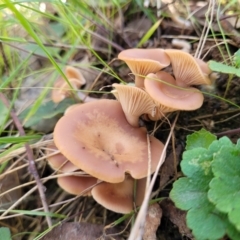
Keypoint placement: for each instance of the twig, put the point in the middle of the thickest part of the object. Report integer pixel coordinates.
(32, 166)
(206, 28)
(229, 132)
(149, 163)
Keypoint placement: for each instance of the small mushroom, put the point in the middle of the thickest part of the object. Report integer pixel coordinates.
(135, 102)
(187, 70)
(144, 61)
(163, 89)
(72, 72)
(97, 138)
(119, 197)
(62, 89)
(71, 184)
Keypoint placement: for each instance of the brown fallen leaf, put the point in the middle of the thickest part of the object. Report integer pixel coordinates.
(176, 216)
(8, 182)
(153, 220)
(168, 168)
(79, 231)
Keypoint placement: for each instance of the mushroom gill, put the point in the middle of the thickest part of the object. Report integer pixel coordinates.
(186, 69)
(135, 102)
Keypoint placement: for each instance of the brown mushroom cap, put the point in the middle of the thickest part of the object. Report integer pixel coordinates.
(62, 89)
(71, 184)
(135, 102)
(157, 85)
(72, 72)
(144, 61)
(58, 161)
(186, 69)
(97, 138)
(119, 197)
(76, 185)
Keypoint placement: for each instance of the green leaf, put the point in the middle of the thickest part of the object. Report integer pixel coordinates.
(202, 138)
(196, 162)
(206, 223)
(237, 58)
(3, 113)
(31, 47)
(223, 68)
(191, 193)
(216, 146)
(188, 194)
(19, 139)
(232, 232)
(225, 186)
(5, 233)
(149, 33)
(46, 115)
(37, 213)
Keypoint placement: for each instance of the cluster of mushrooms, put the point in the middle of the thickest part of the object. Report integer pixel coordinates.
(103, 138)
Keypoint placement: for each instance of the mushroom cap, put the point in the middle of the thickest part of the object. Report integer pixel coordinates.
(186, 69)
(72, 72)
(62, 89)
(157, 85)
(144, 61)
(97, 138)
(76, 184)
(119, 197)
(58, 161)
(135, 102)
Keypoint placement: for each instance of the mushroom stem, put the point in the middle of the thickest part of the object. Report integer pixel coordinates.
(84, 98)
(132, 120)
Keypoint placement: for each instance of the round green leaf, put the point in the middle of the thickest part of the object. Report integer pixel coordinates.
(188, 194)
(206, 224)
(196, 161)
(202, 138)
(225, 186)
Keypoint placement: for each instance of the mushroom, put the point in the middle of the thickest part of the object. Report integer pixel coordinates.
(135, 102)
(119, 197)
(187, 69)
(62, 89)
(162, 87)
(58, 161)
(77, 185)
(71, 184)
(97, 138)
(144, 61)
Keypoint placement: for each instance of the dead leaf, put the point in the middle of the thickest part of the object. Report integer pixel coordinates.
(176, 216)
(136, 28)
(153, 220)
(168, 168)
(8, 182)
(79, 231)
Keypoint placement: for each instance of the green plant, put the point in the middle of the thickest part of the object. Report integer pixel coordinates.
(231, 70)
(224, 68)
(210, 190)
(5, 233)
